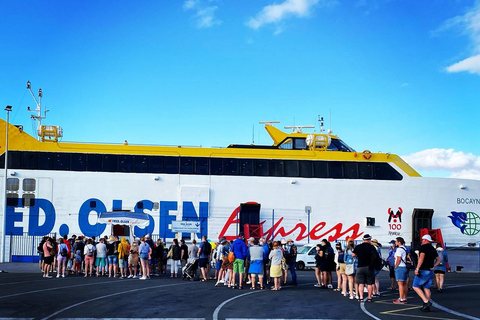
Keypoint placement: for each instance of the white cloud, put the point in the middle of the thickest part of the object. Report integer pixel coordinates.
(205, 15)
(458, 163)
(470, 25)
(275, 13)
(471, 65)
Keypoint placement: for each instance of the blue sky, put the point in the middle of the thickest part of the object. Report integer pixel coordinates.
(396, 76)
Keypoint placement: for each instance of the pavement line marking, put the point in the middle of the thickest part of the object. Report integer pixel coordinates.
(111, 295)
(362, 306)
(52, 289)
(217, 310)
(403, 309)
(128, 318)
(436, 305)
(423, 317)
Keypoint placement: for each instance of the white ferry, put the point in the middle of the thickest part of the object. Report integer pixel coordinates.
(305, 186)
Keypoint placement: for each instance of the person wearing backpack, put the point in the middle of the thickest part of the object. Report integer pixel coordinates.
(112, 255)
(441, 268)
(376, 271)
(401, 271)
(123, 251)
(365, 274)
(63, 254)
(204, 251)
(89, 253)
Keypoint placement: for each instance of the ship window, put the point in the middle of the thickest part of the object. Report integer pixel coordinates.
(287, 144)
(62, 161)
(94, 162)
(156, 165)
(79, 162)
(291, 168)
(201, 166)
(275, 168)
(261, 167)
(186, 165)
(306, 169)
(365, 170)
(156, 206)
(351, 170)
(216, 166)
(12, 199)
(28, 199)
(14, 160)
(336, 169)
(171, 165)
(13, 184)
(246, 167)
(300, 144)
(110, 162)
(370, 222)
(125, 163)
(231, 166)
(321, 169)
(383, 171)
(140, 164)
(29, 185)
(29, 160)
(339, 145)
(45, 161)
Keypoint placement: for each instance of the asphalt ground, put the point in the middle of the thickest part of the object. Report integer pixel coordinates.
(24, 294)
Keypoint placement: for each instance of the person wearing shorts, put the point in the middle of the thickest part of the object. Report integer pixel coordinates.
(427, 260)
(47, 257)
(364, 275)
(240, 251)
(401, 271)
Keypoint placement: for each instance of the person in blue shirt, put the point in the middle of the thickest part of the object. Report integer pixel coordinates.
(240, 251)
(391, 265)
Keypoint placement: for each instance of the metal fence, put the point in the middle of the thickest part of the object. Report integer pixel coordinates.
(23, 248)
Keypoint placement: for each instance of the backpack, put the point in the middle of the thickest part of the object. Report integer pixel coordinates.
(409, 261)
(64, 251)
(115, 247)
(341, 257)
(231, 256)
(207, 248)
(440, 256)
(329, 254)
(89, 251)
(376, 263)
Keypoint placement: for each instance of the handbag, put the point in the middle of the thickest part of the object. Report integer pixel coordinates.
(349, 269)
(170, 253)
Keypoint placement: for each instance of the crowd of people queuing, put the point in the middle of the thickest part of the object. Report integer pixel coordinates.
(255, 263)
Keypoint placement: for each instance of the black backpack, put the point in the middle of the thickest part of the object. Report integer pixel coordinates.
(207, 248)
(376, 263)
(64, 252)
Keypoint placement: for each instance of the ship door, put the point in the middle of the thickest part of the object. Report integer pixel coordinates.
(120, 230)
(249, 214)
(422, 218)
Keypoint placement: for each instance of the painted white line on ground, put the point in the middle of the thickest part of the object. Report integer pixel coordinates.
(362, 306)
(436, 305)
(129, 318)
(52, 289)
(111, 295)
(217, 310)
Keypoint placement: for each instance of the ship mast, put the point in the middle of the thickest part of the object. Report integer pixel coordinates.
(37, 113)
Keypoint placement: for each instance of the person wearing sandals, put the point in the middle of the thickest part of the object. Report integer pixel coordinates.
(276, 257)
(351, 268)
(256, 264)
(401, 271)
(365, 274)
(240, 251)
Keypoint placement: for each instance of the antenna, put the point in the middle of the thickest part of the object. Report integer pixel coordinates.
(330, 120)
(268, 123)
(298, 129)
(37, 113)
(320, 120)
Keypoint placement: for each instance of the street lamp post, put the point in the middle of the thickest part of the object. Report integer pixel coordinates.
(8, 109)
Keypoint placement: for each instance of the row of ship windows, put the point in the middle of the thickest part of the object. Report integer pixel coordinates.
(201, 165)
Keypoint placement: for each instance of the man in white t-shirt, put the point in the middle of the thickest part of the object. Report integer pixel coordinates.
(401, 271)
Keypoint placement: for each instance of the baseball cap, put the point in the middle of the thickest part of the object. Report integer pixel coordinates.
(427, 237)
(367, 237)
(251, 239)
(392, 242)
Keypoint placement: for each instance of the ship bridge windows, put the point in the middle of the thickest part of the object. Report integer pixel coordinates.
(13, 184)
(339, 145)
(204, 166)
(293, 144)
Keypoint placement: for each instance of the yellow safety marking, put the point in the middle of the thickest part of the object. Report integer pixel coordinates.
(403, 309)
